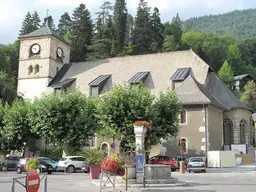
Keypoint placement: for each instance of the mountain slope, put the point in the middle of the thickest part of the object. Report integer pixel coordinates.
(240, 24)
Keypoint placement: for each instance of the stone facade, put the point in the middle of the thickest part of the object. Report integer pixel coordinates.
(34, 83)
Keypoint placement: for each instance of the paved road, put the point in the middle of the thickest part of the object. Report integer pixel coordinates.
(215, 180)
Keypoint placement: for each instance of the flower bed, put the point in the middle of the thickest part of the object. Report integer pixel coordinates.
(114, 165)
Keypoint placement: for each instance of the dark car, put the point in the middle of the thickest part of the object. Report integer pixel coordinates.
(42, 167)
(9, 163)
(178, 159)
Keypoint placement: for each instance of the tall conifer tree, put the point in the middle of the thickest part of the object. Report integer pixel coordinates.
(157, 31)
(81, 33)
(120, 22)
(27, 25)
(143, 29)
(36, 21)
(64, 25)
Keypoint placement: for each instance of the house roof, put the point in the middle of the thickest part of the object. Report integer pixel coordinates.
(44, 31)
(223, 94)
(60, 74)
(191, 92)
(239, 77)
(99, 80)
(64, 84)
(181, 74)
(138, 77)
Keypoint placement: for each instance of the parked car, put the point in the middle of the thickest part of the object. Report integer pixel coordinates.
(71, 163)
(163, 160)
(196, 164)
(178, 159)
(53, 163)
(42, 167)
(9, 163)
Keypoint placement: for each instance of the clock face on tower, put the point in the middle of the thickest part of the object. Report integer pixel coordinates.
(35, 48)
(59, 52)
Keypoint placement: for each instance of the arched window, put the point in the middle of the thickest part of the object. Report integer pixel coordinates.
(242, 131)
(228, 131)
(36, 69)
(30, 69)
(183, 116)
(105, 148)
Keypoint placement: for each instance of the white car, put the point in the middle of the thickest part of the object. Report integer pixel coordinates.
(71, 163)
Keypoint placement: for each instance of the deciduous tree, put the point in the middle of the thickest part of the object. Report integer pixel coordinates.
(66, 119)
(118, 109)
(226, 75)
(248, 96)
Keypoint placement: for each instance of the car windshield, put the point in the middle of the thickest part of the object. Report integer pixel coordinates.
(22, 161)
(196, 160)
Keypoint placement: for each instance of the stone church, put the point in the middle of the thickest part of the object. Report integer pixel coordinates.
(211, 117)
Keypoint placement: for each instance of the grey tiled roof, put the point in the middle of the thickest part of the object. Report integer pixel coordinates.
(64, 84)
(99, 80)
(223, 94)
(181, 74)
(60, 74)
(191, 92)
(44, 31)
(139, 77)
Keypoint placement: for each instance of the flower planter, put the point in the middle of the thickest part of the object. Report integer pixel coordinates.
(95, 171)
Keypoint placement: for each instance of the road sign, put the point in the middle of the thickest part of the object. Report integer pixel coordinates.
(139, 162)
(32, 181)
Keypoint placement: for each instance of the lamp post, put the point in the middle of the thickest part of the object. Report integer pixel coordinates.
(24, 143)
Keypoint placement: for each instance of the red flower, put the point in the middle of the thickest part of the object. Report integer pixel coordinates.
(141, 123)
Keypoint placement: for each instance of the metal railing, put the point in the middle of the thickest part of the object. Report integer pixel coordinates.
(16, 180)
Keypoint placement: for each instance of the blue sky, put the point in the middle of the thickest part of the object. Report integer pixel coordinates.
(12, 12)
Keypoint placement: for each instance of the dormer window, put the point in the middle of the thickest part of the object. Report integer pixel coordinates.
(138, 78)
(30, 69)
(98, 84)
(179, 76)
(36, 69)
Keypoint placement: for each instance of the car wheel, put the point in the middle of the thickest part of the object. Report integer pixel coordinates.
(71, 169)
(49, 172)
(18, 170)
(189, 171)
(204, 171)
(173, 169)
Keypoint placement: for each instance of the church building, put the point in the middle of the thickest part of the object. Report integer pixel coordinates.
(211, 117)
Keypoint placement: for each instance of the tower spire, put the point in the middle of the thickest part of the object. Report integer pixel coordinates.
(47, 17)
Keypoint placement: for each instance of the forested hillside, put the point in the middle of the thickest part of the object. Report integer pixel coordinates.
(117, 33)
(239, 24)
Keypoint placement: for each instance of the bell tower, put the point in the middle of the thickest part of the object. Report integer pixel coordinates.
(42, 53)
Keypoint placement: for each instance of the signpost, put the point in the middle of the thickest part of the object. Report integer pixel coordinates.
(32, 181)
(139, 167)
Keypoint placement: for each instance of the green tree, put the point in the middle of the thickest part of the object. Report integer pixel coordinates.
(7, 89)
(17, 126)
(36, 21)
(27, 25)
(49, 21)
(157, 30)
(66, 119)
(64, 25)
(248, 96)
(118, 109)
(81, 33)
(176, 28)
(142, 39)
(226, 75)
(120, 22)
(129, 30)
(186, 27)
